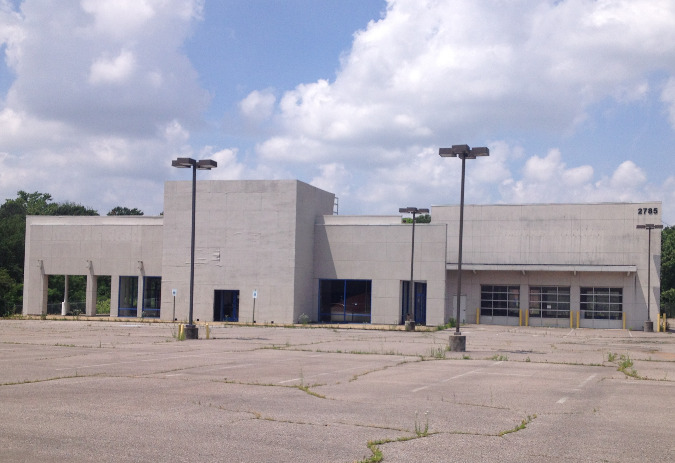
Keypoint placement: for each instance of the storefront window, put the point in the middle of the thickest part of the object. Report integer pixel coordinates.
(344, 301)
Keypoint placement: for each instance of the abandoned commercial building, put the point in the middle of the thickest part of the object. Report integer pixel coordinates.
(275, 250)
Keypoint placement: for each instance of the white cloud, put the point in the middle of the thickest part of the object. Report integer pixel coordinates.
(668, 97)
(430, 71)
(115, 70)
(118, 18)
(461, 69)
(258, 105)
(628, 176)
(333, 177)
(120, 100)
(229, 167)
(113, 66)
(548, 179)
(101, 99)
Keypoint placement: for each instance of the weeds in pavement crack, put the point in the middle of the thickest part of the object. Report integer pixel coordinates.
(523, 424)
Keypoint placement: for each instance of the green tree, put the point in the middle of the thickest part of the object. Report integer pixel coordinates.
(668, 271)
(424, 218)
(69, 208)
(36, 203)
(119, 210)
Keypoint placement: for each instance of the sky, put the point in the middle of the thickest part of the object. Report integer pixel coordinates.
(574, 98)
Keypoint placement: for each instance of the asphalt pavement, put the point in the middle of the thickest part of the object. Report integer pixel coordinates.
(99, 390)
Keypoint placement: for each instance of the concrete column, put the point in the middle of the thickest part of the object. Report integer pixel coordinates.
(114, 295)
(66, 305)
(141, 289)
(92, 288)
(35, 286)
(44, 282)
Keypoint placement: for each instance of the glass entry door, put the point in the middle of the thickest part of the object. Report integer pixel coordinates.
(420, 302)
(226, 305)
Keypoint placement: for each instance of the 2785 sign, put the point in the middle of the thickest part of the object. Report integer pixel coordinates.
(648, 210)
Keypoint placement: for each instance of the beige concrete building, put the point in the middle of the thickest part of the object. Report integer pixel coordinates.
(274, 250)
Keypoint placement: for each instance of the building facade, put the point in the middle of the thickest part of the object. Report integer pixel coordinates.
(274, 252)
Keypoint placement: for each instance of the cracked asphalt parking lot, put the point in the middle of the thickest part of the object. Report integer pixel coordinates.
(91, 390)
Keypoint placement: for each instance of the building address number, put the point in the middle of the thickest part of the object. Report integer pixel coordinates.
(648, 210)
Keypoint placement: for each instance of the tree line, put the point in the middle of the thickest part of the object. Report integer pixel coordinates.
(12, 248)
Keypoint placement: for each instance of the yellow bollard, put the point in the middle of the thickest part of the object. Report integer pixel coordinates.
(623, 316)
(578, 317)
(520, 317)
(571, 319)
(208, 332)
(478, 316)
(527, 317)
(180, 331)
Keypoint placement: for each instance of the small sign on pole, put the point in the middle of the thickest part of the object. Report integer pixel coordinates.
(173, 292)
(255, 296)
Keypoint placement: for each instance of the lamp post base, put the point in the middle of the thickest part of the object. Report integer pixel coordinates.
(458, 343)
(191, 332)
(649, 326)
(409, 325)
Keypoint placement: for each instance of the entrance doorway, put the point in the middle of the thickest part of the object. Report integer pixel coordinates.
(226, 305)
(420, 302)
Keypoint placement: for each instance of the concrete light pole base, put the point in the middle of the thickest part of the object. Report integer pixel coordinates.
(458, 343)
(649, 327)
(191, 332)
(409, 325)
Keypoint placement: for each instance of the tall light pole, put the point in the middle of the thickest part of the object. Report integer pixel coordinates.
(191, 331)
(649, 325)
(410, 317)
(458, 341)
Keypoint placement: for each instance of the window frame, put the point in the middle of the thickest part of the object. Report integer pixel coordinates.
(500, 300)
(591, 298)
(558, 297)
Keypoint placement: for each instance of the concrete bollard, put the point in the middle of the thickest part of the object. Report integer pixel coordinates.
(208, 332)
(191, 332)
(457, 343)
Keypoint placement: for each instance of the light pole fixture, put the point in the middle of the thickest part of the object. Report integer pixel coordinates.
(649, 326)
(458, 341)
(410, 316)
(191, 331)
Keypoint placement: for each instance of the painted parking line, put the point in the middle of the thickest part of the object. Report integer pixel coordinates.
(581, 385)
(325, 374)
(227, 367)
(478, 370)
(584, 382)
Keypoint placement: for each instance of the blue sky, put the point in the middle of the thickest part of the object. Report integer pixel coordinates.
(575, 98)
